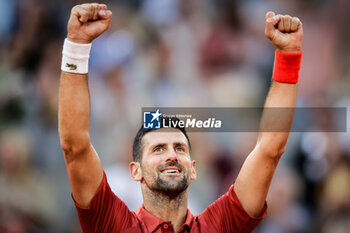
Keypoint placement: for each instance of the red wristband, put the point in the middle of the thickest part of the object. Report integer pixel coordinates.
(286, 67)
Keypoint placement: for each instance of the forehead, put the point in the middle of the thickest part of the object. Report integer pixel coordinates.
(164, 136)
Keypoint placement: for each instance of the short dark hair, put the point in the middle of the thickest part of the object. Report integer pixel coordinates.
(137, 145)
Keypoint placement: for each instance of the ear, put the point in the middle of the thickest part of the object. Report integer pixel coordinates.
(135, 171)
(193, 170)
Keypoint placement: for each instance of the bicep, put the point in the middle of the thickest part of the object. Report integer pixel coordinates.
(85, 174)
(254, 178)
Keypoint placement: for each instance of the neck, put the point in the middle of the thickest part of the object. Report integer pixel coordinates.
(168, 208)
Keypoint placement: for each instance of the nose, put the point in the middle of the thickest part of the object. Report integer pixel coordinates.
(171, 156)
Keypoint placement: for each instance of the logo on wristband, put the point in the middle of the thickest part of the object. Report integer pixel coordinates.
(71, 66)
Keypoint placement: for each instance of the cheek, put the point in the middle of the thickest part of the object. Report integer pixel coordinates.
(151, 163)
(149, 168)
(187, 164)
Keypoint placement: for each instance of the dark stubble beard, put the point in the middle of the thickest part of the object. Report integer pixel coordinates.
(171, 188)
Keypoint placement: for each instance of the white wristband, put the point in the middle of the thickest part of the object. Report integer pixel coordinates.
(75, 57)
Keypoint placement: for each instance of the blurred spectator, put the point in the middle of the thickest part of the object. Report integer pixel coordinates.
(286, 212)
(26, 198)
(7, 20)
(30, 36)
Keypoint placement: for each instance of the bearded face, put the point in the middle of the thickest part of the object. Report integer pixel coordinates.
(170, 178)
(166, 165)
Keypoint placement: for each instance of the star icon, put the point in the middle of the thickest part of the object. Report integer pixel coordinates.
(156, 115)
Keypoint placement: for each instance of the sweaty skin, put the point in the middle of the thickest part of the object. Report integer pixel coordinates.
(166, 150)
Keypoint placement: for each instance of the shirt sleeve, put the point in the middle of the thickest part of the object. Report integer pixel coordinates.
(106, 213)
(227, 215)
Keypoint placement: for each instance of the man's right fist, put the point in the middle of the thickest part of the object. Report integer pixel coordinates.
(87, 22)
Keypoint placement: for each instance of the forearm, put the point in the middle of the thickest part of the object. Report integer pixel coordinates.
(74, 111)
(277, 117)
(254, 179)
(280, 102)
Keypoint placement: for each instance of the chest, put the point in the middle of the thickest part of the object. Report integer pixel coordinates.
(196, 227)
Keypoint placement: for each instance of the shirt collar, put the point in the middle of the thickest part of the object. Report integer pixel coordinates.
(152, 222)
(188, 221)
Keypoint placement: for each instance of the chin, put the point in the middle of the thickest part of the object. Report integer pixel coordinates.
(173, 187)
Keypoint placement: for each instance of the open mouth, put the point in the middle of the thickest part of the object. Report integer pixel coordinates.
(171, 170)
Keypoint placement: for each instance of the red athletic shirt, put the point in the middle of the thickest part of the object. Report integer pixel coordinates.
(107, 213)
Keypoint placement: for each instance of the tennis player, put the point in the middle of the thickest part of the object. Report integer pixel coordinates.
(162, 160)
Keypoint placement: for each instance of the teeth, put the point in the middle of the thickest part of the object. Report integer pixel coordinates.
(171, 171)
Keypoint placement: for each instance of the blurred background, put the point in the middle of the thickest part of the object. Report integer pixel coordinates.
(171, 53)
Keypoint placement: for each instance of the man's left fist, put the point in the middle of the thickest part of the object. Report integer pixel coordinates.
(284, 31)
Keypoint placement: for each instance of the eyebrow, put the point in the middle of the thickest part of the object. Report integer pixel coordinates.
(165, 144)
(157, 145)
(180, 144)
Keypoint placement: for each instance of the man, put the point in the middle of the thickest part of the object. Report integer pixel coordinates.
(162, 162)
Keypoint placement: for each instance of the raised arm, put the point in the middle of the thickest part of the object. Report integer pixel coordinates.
(84, 168)
(254, 179)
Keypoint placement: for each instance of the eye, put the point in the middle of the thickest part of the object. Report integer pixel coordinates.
(158, 149)
(180, 149)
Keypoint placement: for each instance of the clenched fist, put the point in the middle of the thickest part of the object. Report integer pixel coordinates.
(284, 31)
(87, 22)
